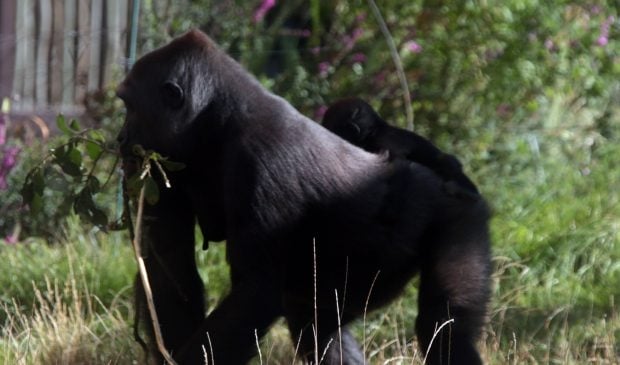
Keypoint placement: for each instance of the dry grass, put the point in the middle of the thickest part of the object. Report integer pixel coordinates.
(67, 327)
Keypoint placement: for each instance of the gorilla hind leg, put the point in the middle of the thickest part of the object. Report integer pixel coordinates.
(455, 285)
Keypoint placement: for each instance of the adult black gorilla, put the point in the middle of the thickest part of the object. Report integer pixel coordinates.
(356, 121)
(293, 201)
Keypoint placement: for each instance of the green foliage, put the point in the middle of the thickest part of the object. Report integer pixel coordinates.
(78, 168)
(471, 66)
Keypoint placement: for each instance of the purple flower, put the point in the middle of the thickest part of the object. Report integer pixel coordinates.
(603, 38)
(358, 57)
(2, 130)
(602, 41)
(413, 47)
(549, 44)
(323, 68)
(10, 157)
(11, 240)
(9, 160)
(350, 40)
(263, 9)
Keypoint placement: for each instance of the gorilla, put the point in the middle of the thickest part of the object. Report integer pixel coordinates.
(317, 230)
(356, 121)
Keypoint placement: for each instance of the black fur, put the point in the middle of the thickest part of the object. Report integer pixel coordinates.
(356, 121)
(281, 190)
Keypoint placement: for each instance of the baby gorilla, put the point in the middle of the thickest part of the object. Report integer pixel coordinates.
(357, 122)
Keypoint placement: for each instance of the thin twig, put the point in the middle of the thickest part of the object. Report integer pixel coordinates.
(163, 174)
(397, 62)
(145, 281)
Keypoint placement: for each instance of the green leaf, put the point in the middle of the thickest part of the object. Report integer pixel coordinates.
(27, 192)
(69, 168)
(36, 204)
(134, 184)
(93, 150)
(99, 218)
(69, 159)
(154, 155)
(151, 191)
(57, 182)
(61, 123)
(82, 204)
(172, 166)
(96, 135)
(75, 156)
(74, 125)
(85, 207)
(38, 182)
(93, 184)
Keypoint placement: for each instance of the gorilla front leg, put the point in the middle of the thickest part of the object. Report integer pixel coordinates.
(229, 334)
(168, 250)
(332, 345)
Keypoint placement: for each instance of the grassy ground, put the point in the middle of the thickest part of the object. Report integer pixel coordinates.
(556, 239)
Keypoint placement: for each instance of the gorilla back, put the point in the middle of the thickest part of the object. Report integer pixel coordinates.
(304, 213)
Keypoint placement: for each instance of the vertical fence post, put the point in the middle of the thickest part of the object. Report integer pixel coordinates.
(8, 11)
(43, 42)
(56, 55)
(133, 33)
(95, 45)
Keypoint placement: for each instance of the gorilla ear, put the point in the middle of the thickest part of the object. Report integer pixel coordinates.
(172, 94)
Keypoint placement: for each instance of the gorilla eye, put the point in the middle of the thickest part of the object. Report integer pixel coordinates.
(173, 94)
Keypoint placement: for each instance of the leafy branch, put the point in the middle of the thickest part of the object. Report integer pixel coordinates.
(71, 168)
(141, 186)
(145, 177)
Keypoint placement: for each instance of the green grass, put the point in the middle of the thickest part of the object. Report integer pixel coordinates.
(67, 303)
(556, 241)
